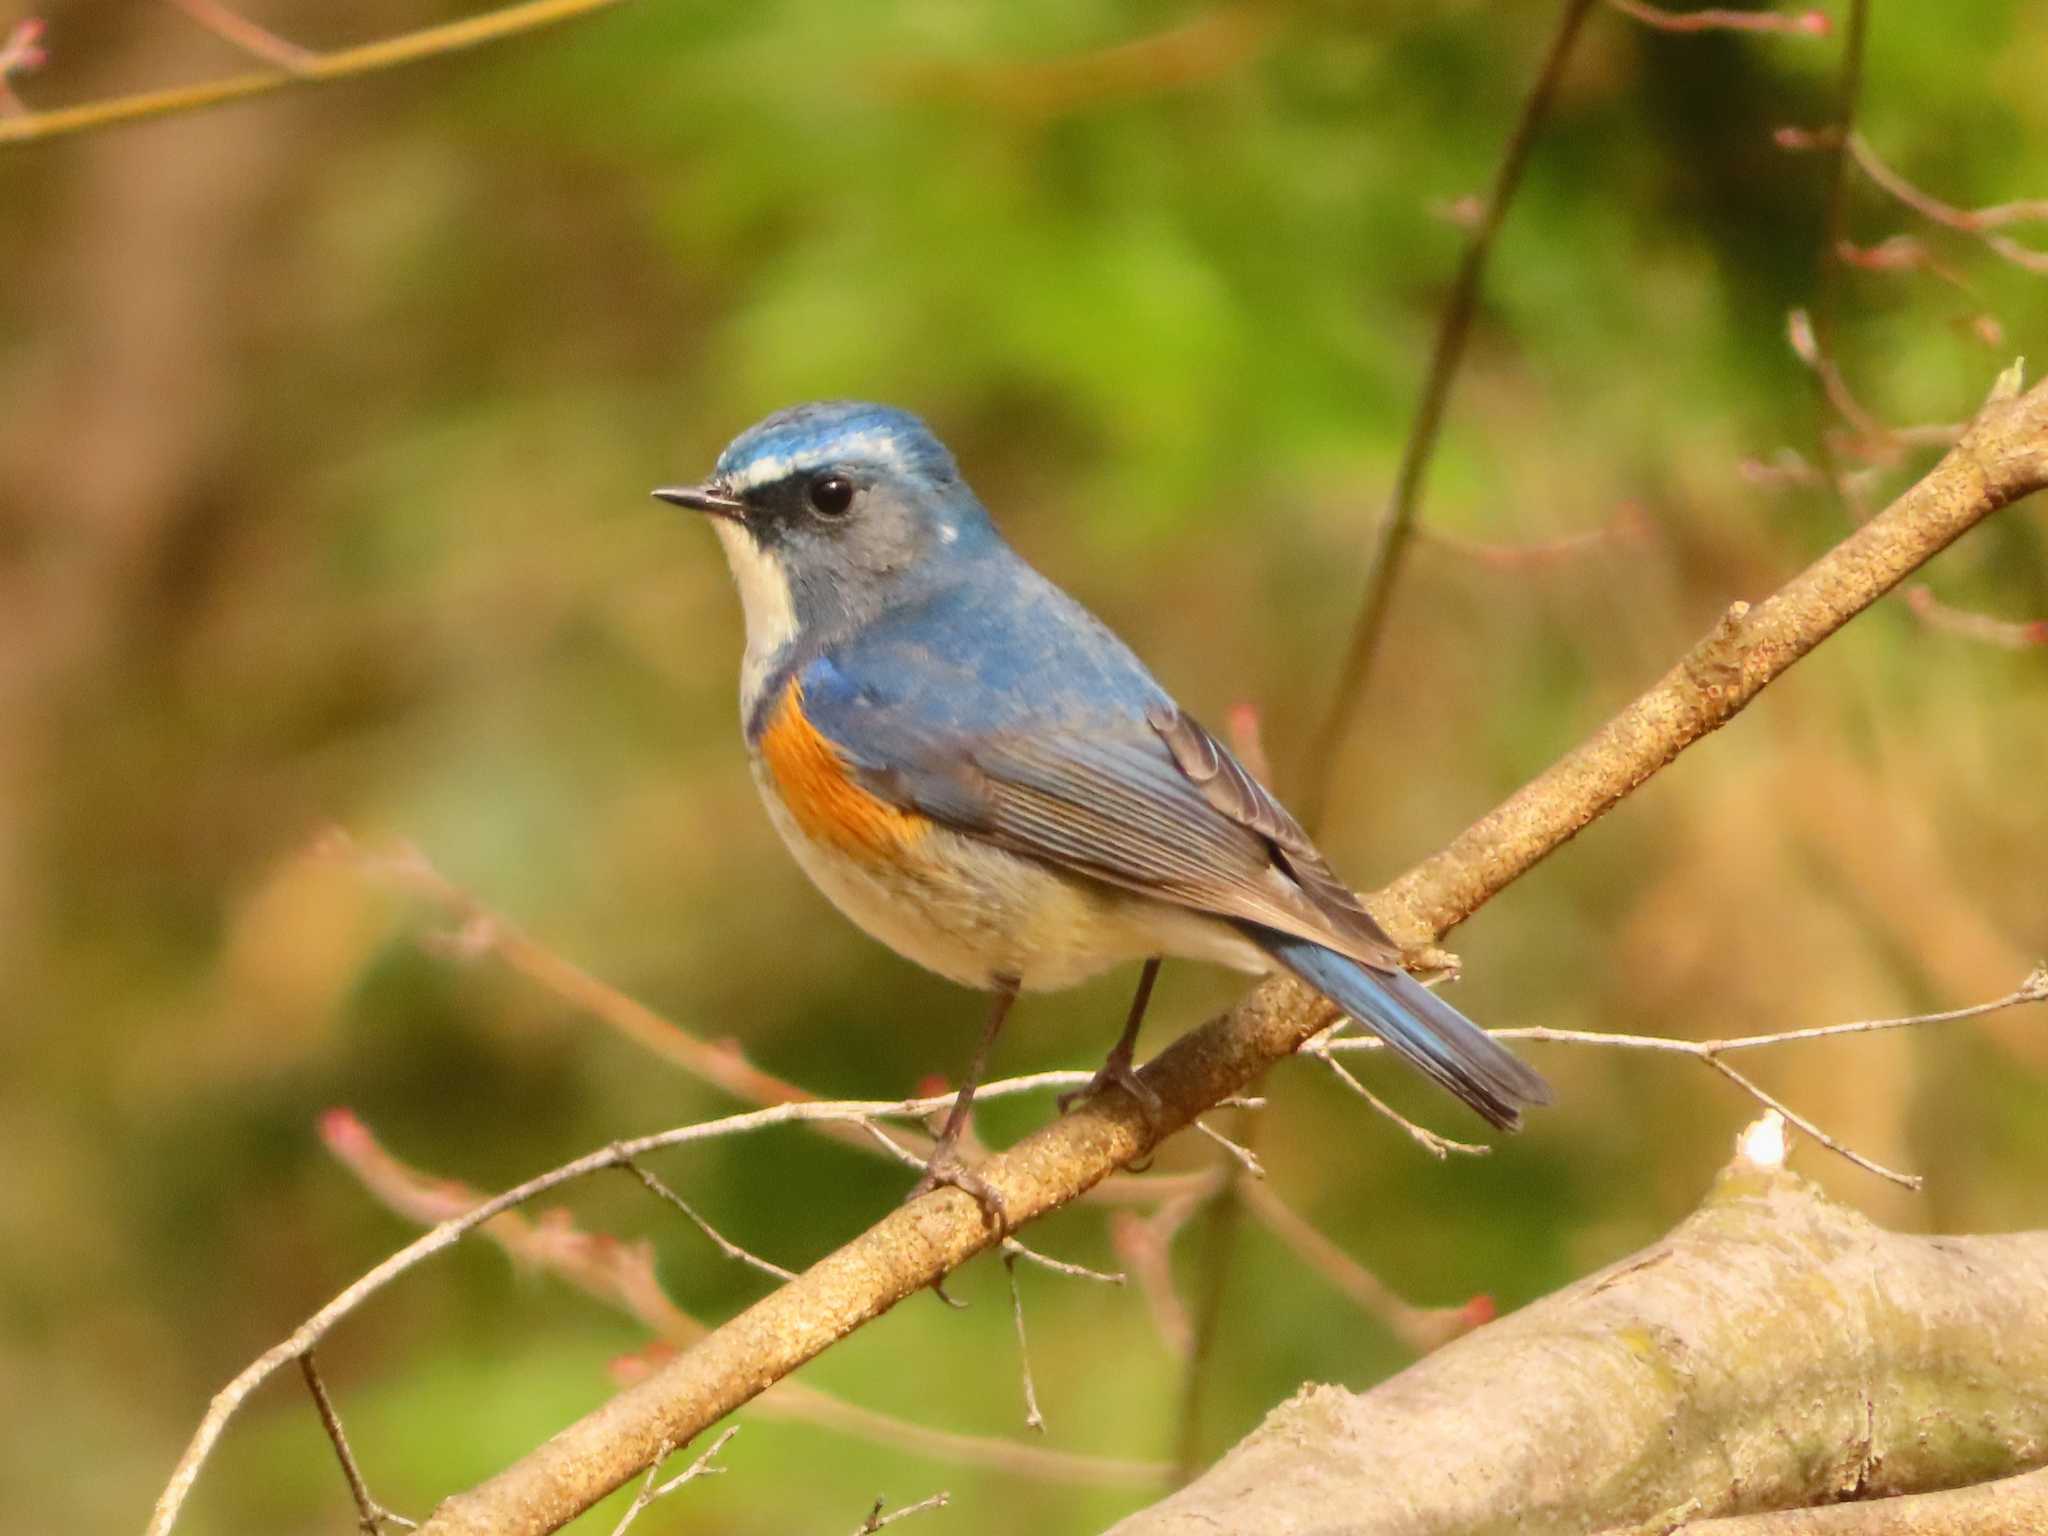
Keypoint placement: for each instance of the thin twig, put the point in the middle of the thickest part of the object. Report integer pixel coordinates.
(1627, 526)
(1807, 23)
(879, 1134)
(1033, 1419)
(1391, 536)
(1981, 222)
(725, 1246)
(1246, 1158)
(238, 30)
(1835, 215)
(1145, 1244)
(21, 53)
(1840, 1149)
(1420, 1328)
(1016, 1250)
(2032, 989)
(2006, 634)
(1439, 1147)
(341, 64)
(876, 1519)
(650, 1490)
(1210, 45)
(371, 1517)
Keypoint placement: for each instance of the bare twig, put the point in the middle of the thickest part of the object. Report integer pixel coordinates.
(1033, 1419)
(1628, 525)
(1391, 536)
(2006, 634)
(1835, 216)
(1982, 223)
(2033, 210)
(2032, 989)
(876, 1519)
(1145, 1244)
(1012, 1249)
(1420, 1328)
(1213, 43)
(650, 1490)
(371, 1517)
(725, 1246)
(21, 53)
(237, 29)
(1436, 1146)
(1245, 1158)
(341, 64)
(1840, 1149)
(1806, 23)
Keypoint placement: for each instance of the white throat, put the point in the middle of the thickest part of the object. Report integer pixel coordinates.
(765, 601)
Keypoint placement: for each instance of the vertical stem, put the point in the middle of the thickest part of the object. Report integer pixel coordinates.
(1835, 224)
(1391, 536)
(1389, 548)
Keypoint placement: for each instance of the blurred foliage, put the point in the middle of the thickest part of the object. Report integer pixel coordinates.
(326, 426)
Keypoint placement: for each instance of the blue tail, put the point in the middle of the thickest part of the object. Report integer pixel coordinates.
(1448, 1047)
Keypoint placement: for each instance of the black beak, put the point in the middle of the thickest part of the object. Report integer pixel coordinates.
(704, 498)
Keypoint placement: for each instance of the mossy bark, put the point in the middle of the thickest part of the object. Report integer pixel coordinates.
(1775, 1351)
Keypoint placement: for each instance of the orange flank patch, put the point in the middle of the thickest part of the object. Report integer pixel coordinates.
(828, 805)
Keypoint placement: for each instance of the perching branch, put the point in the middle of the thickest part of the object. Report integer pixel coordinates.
(1775, 1350)
(2000, 458)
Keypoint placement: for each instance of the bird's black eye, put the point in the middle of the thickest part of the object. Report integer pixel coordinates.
(830, 495)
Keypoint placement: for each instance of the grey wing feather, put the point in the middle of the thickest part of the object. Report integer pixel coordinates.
(1188, 825)
(1228, 786)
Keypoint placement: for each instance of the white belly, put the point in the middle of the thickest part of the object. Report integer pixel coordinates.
(974, 913)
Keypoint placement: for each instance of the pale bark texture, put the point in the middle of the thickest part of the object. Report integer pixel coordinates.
(1775, 1351)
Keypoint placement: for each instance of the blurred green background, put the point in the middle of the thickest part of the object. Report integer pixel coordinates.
(326, 429)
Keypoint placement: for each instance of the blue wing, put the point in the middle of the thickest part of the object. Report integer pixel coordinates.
(1039, 731)
(1028, 723)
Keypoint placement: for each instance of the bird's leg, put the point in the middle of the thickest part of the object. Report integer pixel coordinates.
(944, 1166)
(1116, 1067)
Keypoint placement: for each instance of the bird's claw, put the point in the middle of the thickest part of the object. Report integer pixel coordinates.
(946, 1168)
(1117, 1071)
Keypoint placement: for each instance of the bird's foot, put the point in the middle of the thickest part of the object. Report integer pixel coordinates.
(1431, 963)
(947, 1168)
(1117, 1071)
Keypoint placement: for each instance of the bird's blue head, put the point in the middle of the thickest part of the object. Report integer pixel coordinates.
(831, 513)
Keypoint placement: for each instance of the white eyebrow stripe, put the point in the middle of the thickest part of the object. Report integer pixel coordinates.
(875, 446)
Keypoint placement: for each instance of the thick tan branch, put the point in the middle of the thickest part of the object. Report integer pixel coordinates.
(2003, 456)
(1775, 1350)
(2008, 1506)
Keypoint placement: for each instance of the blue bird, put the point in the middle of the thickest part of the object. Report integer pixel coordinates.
(980, 775)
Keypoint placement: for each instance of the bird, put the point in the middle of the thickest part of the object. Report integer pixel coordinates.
(977, 772)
